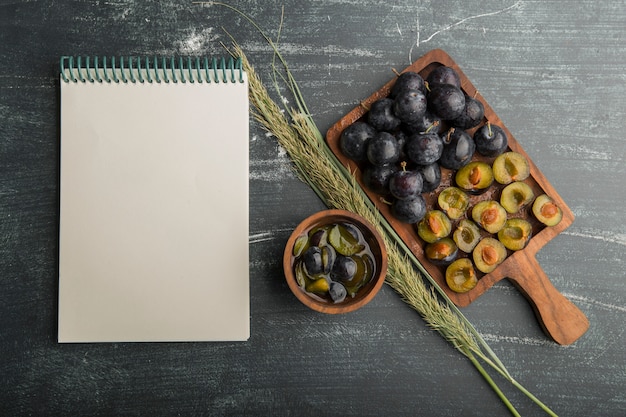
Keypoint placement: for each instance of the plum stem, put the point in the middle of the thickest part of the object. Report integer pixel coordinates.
(432, 126)
(449, 135)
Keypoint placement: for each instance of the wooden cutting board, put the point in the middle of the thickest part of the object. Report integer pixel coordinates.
(558, 316)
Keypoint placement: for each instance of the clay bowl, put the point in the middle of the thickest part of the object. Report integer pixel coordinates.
(323, 303)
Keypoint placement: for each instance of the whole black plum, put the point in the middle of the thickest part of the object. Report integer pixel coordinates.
(381, 116)
(443, 75)
(458, 149)
(446, 101)
(376, 177)
(424, 148)
(409, 80)
(405, 184)
(431, 176)
(383, 149)
(337, 292)
(427, 123)
(410, 106)
(491, 140)
(471, 116)
(402, 138)
(344, 268)
(354, 139)
(411, 210)
(312, 259)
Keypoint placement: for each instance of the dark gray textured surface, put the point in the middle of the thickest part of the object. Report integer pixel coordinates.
(553, 71)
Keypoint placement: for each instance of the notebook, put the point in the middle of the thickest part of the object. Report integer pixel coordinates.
(153, 228)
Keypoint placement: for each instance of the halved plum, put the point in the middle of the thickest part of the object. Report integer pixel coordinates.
(434, 226)
(515, 196)
(490, 215)
(453, 201)
(461, 276)
(488, 254)
(475, 177)
(441, 252)
(547, 211)
(510, 166)
(466, 235)
(515, 234)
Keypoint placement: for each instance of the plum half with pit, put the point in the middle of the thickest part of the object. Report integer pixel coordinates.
(442, 251)
(434, 226)
(475, 177)
(547, 211)
(488, 254)
(490, 215)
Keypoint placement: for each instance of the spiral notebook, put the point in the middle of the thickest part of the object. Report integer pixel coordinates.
(153, 229)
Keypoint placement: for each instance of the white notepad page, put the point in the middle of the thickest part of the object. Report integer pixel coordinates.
(153, 239)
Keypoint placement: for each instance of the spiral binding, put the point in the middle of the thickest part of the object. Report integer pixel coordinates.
(151, 70)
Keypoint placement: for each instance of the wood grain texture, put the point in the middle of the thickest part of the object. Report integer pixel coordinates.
(555, 72)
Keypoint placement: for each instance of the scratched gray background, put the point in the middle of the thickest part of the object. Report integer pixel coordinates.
(554, 71)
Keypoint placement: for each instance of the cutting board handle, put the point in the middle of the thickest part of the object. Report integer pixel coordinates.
(559, 317)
